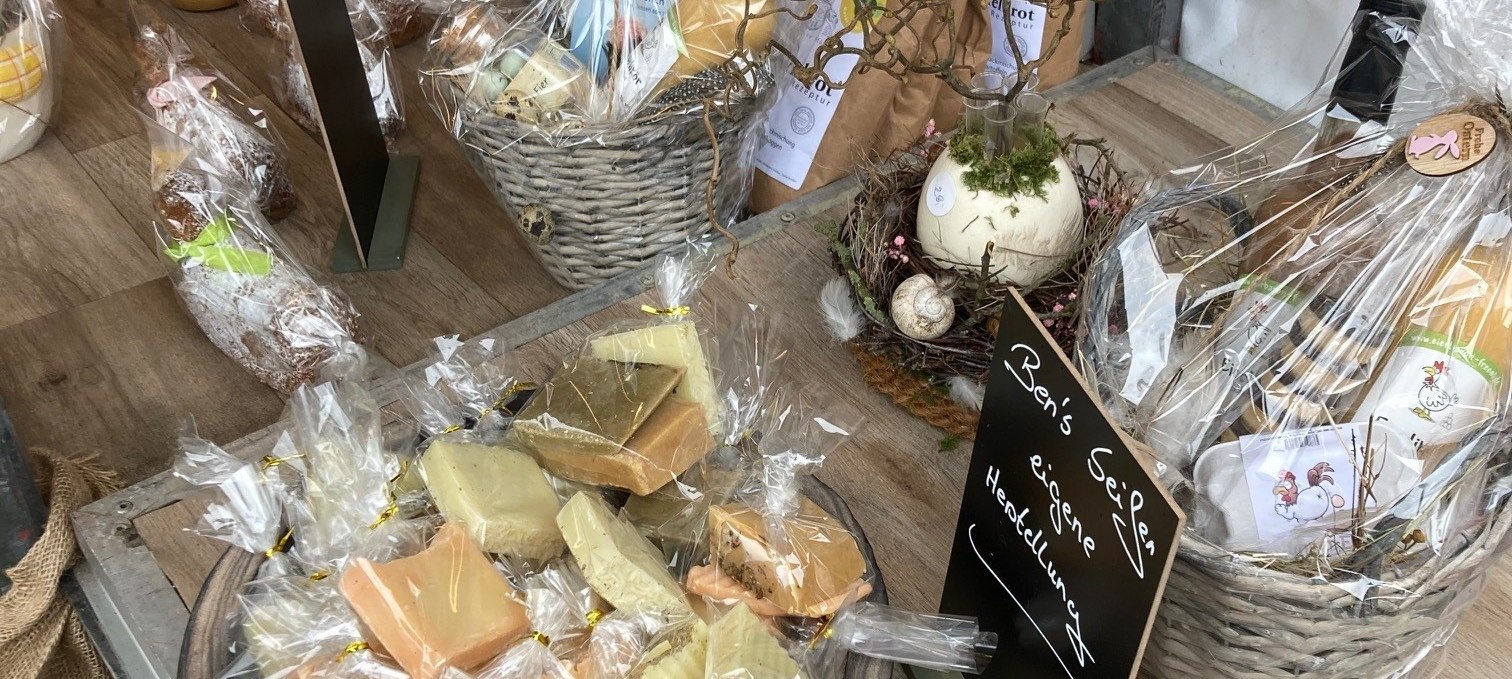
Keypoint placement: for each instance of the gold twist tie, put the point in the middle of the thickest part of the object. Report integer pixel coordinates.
(269, 462)
(682, 310)
(451, 429)
(351, 648)
(317, 576)
(511, 392)
(403, 469)
(824, 632)
(538, 636)
(594, 616)
(281, 545)
(383, 517)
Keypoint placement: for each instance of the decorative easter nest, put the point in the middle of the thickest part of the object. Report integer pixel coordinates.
(918, 374)
(595, 202)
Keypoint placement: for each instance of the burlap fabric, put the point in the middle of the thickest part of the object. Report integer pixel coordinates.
(40, 634)
(916, 395)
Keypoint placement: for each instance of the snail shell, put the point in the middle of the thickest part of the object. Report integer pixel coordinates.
(921, 309)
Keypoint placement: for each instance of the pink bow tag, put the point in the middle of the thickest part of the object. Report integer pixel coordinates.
(178, 88)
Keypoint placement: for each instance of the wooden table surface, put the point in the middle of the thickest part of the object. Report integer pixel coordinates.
(904, 489)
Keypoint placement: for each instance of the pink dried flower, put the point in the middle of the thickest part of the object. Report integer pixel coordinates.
(929, 129)
(1058, 307)
(1113, 329)
(905, 259)
(1048, 323)
(898, 241)
(1093, 203)
(1071, 297)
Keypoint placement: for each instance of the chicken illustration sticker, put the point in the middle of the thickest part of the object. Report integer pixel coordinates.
(1301, 483)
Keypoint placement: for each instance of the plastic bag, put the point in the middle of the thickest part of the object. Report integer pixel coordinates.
(293, 627)
(186, 96)
(32, 42)
(250, 514)
(372, 26)
(638, 405)
(252, 299)
(929, 640)
(1311, 332)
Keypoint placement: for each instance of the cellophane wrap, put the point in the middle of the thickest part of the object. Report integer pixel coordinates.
(183, 94)
(638, 405)
(250, 512)
(929, 640)
(466, 392)
(1313, 336)
(373, 23)
(239, 282)
(32, 43)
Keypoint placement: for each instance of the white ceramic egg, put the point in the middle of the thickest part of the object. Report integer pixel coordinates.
(1033, 238)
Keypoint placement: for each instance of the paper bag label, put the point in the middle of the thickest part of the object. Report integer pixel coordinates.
(1028, 32)
(796, 125)
(941, 196)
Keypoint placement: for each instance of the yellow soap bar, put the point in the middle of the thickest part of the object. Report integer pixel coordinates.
(673, 344)
(593, 406)
(444, 607)
(803, 574)
(667, 444)
(498, 495)
(620, 564)
(741, 645)
(678, 652)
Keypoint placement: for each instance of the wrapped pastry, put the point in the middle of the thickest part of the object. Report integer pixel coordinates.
(31, 46)
(460, 403)
(239, 283)
(638, 406)
(187, 97)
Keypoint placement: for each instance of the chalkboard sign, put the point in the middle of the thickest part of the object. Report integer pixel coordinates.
(377, 191)
(1064, 540)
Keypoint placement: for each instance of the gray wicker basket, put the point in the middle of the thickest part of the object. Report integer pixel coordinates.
(597, 202)
(1226, 618)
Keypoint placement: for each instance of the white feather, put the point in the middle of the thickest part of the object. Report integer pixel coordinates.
(840, 311)
(967, 392)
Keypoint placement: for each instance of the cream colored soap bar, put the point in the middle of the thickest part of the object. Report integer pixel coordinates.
(622, 566)
(444, 607)
(741, 645)
(815, 566)
(679, 652)
(499, 495)
(670, 441)
(672, 344)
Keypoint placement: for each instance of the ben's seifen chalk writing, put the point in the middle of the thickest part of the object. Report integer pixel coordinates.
(1030, 362)
(1133, 533)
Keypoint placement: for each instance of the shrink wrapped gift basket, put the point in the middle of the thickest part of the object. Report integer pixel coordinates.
(648, 511)
(611, 132)
(1312, 333)
(31, 51)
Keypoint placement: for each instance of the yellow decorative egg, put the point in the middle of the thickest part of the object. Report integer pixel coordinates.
(21, 71)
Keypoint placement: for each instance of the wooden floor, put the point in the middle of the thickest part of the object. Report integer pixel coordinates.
(95, 353)
(102, 338)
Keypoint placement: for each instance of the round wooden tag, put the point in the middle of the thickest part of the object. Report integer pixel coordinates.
(1449, 143)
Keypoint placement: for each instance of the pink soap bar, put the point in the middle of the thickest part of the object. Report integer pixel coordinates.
(444, 607)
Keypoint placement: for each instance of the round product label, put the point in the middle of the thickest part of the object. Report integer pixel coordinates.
(1449, 143)
(941, 195)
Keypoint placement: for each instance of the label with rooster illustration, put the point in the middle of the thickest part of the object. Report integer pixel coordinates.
(1264, 313)
(1299, 480)
(1434, 390)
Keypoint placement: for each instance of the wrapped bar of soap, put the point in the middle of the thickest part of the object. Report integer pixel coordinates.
(678, 652)
(674, 344)
(814, 545)
(741, 645)
(444, 607)
(468, 481)
(592, 407)
(667, 444)
(676, 516)
(622, 566)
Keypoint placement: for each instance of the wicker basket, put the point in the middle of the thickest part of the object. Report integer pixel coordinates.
(1224, 618)
(595, 202)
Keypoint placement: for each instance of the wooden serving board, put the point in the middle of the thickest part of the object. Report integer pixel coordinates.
(213, 622)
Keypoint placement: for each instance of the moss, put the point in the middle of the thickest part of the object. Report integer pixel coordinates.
(949, 443)
(1024, 171)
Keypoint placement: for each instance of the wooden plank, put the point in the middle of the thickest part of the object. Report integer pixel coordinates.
(118, 376)
(63, 245)
(1193, 101)
(166, 531)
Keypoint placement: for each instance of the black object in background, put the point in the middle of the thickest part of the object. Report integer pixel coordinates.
(22, 511)
(1064, 541)
(377, 191)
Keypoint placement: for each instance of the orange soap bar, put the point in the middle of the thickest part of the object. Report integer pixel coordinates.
(666, 445)
(444, 607)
